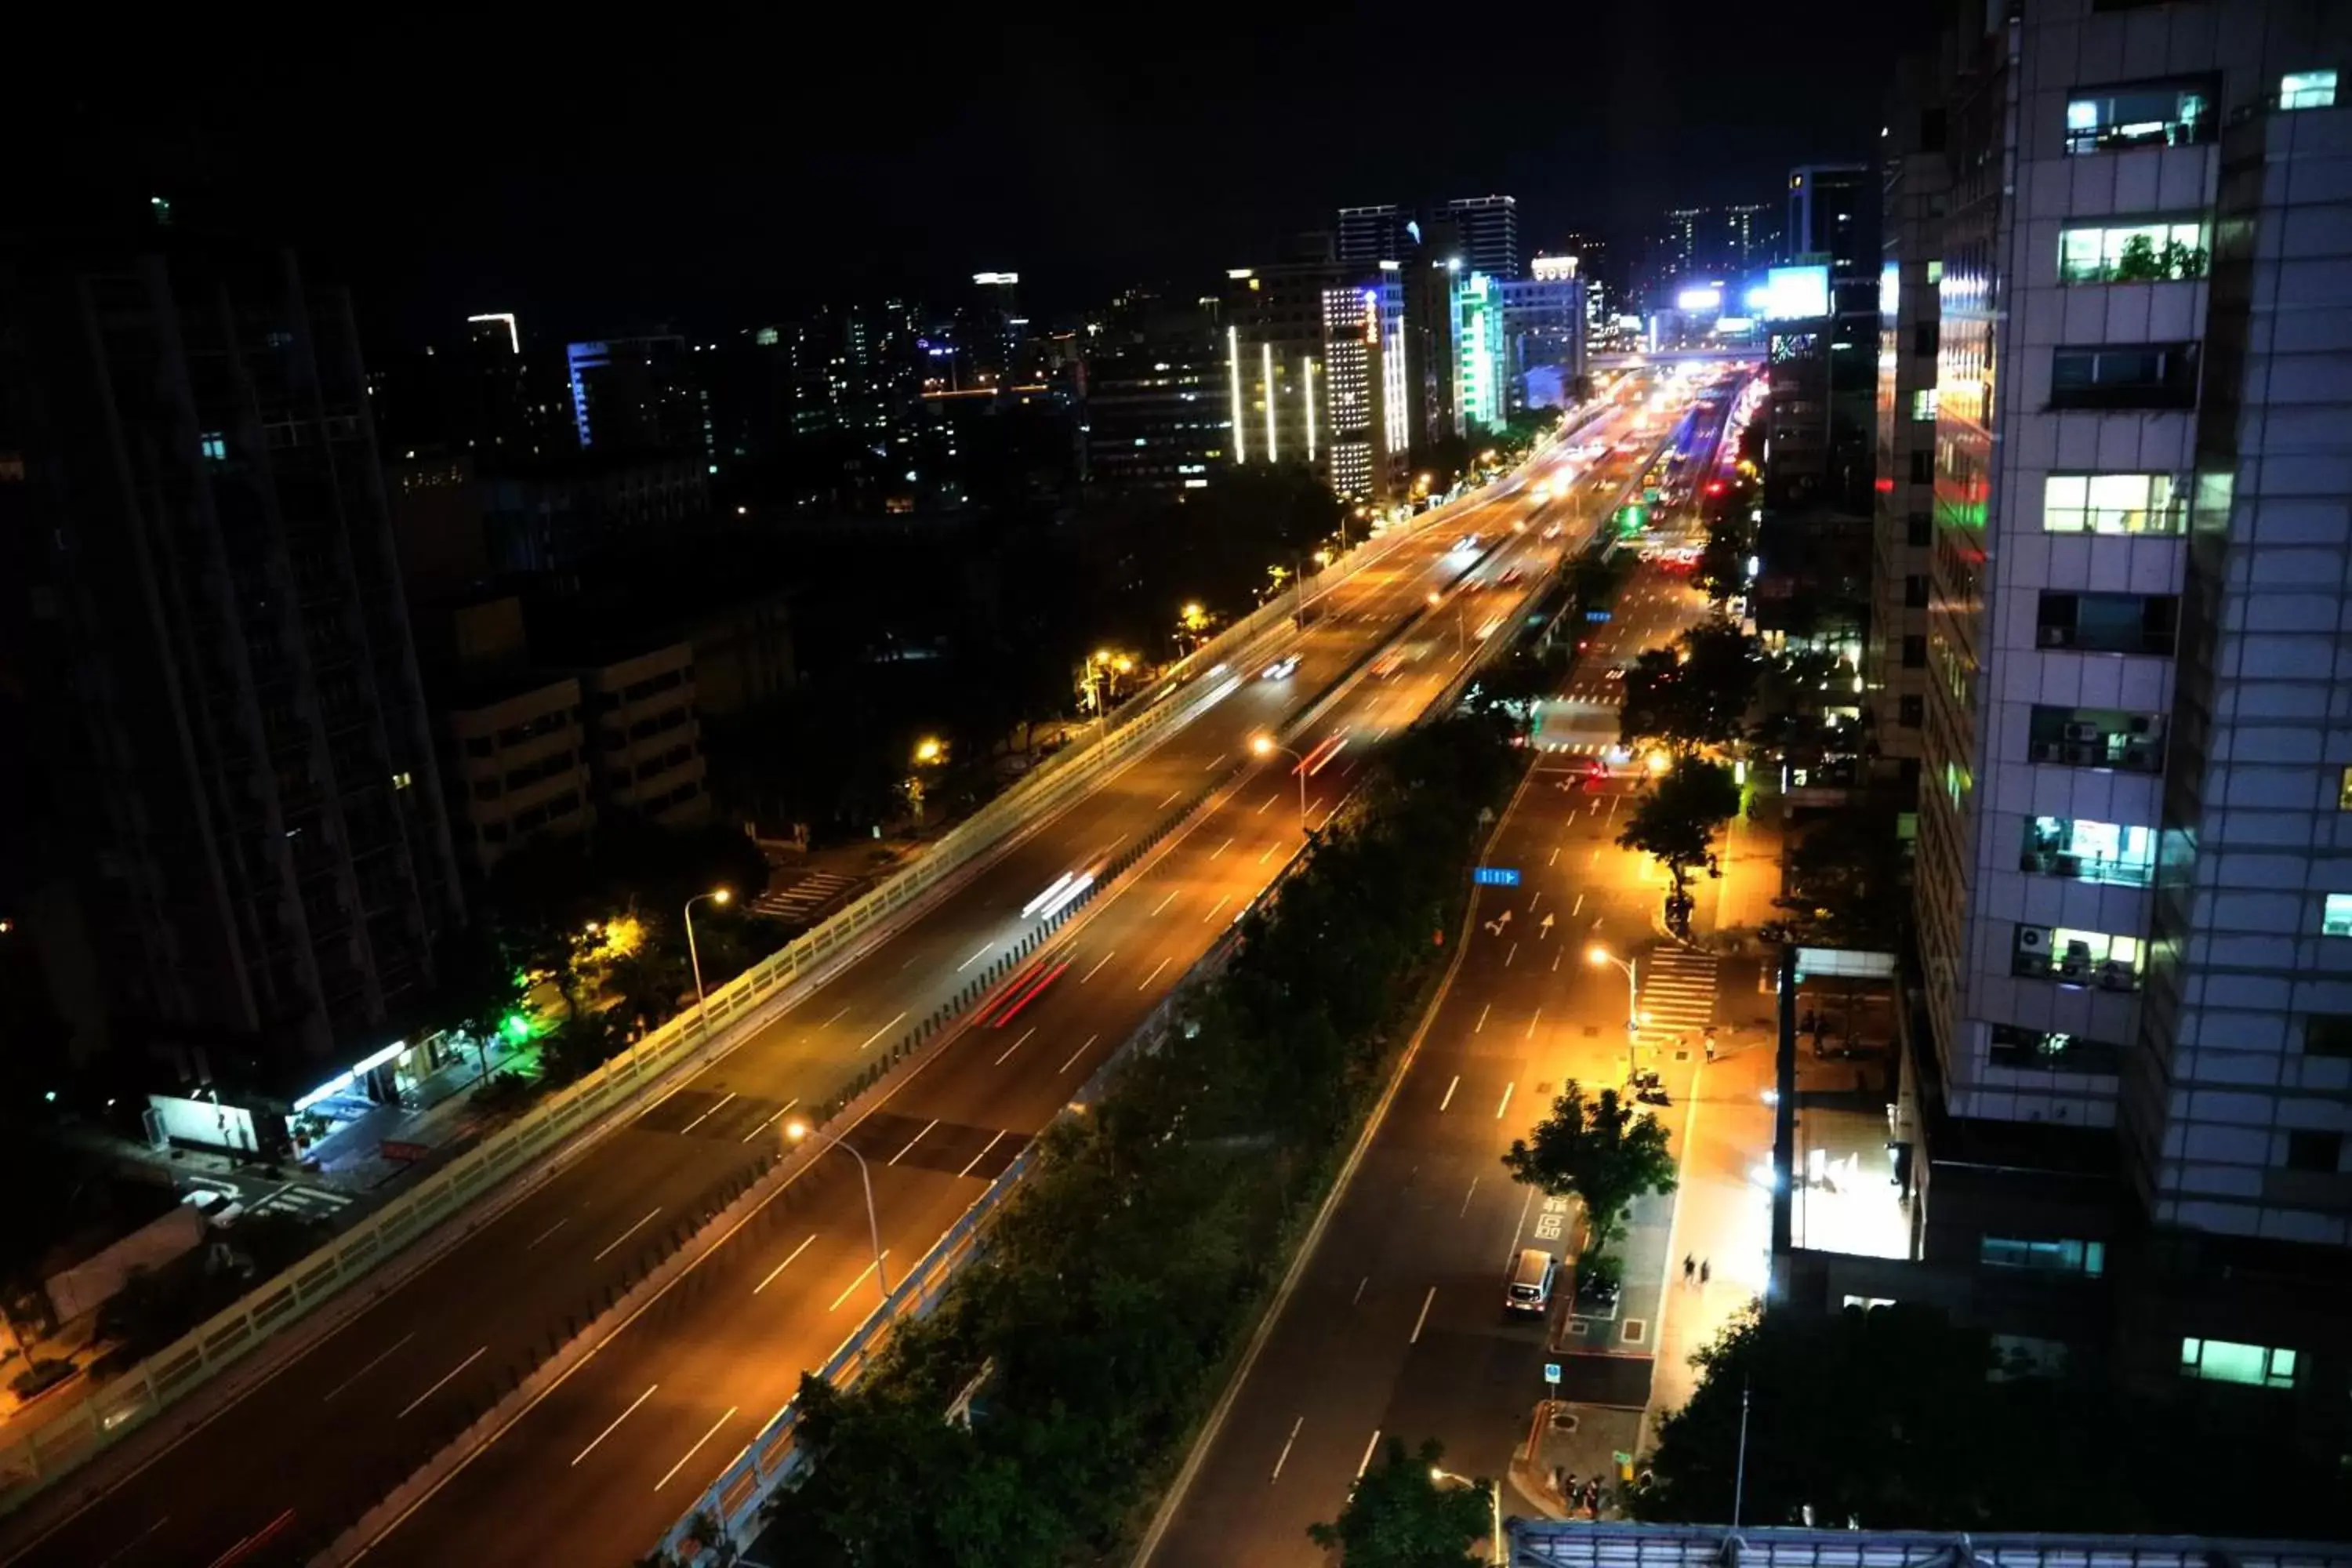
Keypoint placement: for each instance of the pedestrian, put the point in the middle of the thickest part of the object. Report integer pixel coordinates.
(1705, 1270)
(1690, 1266)
(1710, 1045)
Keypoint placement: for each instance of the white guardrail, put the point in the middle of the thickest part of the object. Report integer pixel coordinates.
(36, 1449)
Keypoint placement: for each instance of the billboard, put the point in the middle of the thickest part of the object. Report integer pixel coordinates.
(1796, 293)
(1699, 302)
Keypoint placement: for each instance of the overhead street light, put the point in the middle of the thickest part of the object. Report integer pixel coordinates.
(719, 896)
(1265, 746)
(1597, 954)
(796, 1131)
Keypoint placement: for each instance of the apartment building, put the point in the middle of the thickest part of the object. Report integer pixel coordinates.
(647, 736)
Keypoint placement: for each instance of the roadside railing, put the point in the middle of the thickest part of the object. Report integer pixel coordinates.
(36, 1451)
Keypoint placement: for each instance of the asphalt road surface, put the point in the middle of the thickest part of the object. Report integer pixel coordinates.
(599, 1467)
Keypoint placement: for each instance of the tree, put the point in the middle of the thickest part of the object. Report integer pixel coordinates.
(1600, 1150)
(1847, 881)
(1693, 696)
(1722, 567)
(1515, 685)
(1675, 823)
(1400, 1515)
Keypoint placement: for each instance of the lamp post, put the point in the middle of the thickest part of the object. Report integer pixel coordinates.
(1494, 1502)
(796, 1131)
(1598, 954)
(693, 957)
(1265, 746)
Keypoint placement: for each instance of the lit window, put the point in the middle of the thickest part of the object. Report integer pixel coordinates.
(2089, 851)
(1936, 271)
(2160, 115)
(2057, 1257)
(2111, 503)
(402, 780)
(2307, 90)
(215, 447)
(2337, 919)
(2133, 252)
(2224, 1360)
(1923, 404)
(2077, 957)
(2343, 791)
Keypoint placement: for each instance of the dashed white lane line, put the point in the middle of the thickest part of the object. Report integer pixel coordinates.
(1173, 796)
(1219, 904)
(1079, 1052)
(1449, 1092)
(1366, 1462)
(771, 1120)
(1507, 1100)
(1107, 957)
(1480, 1026)
(1153, 975)
(976, 1159)
(920, 1136)
(550, 1230)
(373, 1365)
(780, 1268)
(624, 1415)
(1533, 1019)
(882, 1031)
(1015, 1045)
(1466, 1196)
(706, 1115)
(1166, 901)
(853, 1284)
(442, 1381)
(1221, 848)
(1283, 1458)
(698, 1442)
(626, 1234)
(985, 950)
(1414, 1337)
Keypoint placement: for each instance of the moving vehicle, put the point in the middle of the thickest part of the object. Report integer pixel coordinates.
(1532, 1274)
(1282, 668)
(1468, 542)
(1388, 664)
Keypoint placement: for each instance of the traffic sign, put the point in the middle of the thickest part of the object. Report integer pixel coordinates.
(1552, 1373)
(1496, 877)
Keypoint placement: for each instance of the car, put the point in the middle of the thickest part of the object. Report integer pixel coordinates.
(1281, 669)
(1528, 1288)
(1507, 578)
(1468, 542)
(1597, 1297)
(1555, 530)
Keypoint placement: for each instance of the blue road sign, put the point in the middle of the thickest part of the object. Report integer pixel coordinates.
(1497, 876)
(1552, 1373)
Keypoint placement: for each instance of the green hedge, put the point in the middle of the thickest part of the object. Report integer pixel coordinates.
(1121, 1279)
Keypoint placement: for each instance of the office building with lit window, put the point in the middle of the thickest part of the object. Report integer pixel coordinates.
(1490, 231)
(2132, 1066)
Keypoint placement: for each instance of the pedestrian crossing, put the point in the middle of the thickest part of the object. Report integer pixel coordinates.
(1677, 995)
(805, 898)
(305, 1203)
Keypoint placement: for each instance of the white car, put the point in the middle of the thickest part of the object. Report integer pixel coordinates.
(1281, 669)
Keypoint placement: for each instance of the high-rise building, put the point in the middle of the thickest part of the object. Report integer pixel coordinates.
(1833, 224)
(1750, 239)
(1158, 417)
(1914, 182)
(245, 859)
(1683, 249)
(1489, 229)
(1544, 334)
(1368, 236)
(1274, 342)
(639, 394)
(2134, 869)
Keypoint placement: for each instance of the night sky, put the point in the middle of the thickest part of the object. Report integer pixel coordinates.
(727, 172)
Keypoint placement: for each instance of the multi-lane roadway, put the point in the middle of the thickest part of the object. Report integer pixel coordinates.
(600, 1466)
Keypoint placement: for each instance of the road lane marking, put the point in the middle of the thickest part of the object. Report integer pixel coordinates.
(1219, 904)
(1079, 1052)
(1269, 801)
(698, 1442)
(1221, 848)
(771, 1122)
(1414, 1337)
(1449, 1092)
(706, 1115)
(1555, 859)
(624, 1415)
(780, 1268)
(882, 1031)
(1166, 901)
(829, 1022)
(1153, 975)
(1366, 1462)
(1107, 957)
(1173, 796)
(1220, 757)
(985, 948)
(1525, 1205)
(1281, 1458)
(1507, 1100)
(1262, 858)
(373, 1365)
(1016, 1045)
(1533, 1019)
(925, 1132)
(853, 1284)
(628, 1233)
(1358, 1299)
(442, 1382)
(1579, 908)
(124, 1549)
(1533, 902)
(976, 1159)
(550, 1230)
(1510, 955)
(1480, 1026)
(1468, 1196)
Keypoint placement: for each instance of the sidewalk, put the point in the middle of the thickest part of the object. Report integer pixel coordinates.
(435, 1114)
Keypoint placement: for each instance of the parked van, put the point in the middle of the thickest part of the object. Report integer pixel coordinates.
(1532, 1281)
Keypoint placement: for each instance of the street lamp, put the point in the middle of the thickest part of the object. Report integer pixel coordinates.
(1265, 746)
(1597, 954)
(719, 896)
(1438, 1478)
(796, 1131)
